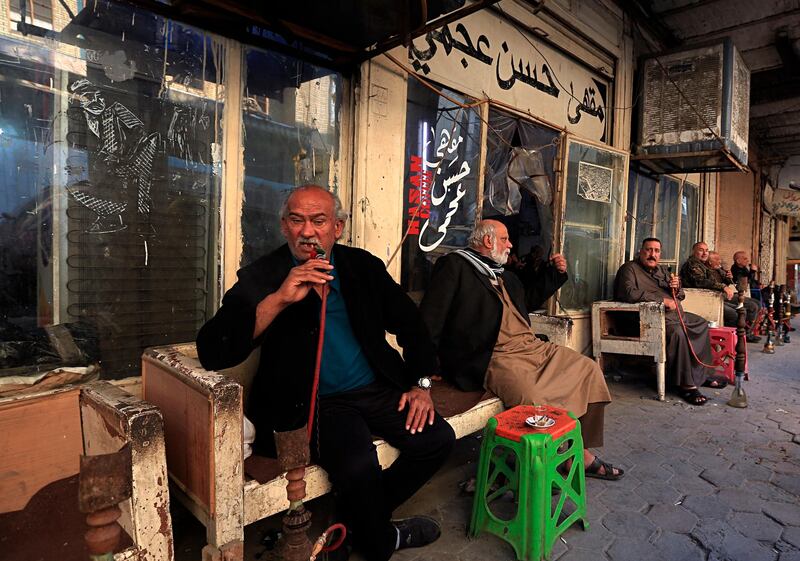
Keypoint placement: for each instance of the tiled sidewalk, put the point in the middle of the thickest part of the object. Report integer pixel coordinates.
(703, 483)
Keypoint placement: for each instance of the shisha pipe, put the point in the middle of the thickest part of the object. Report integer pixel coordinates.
(778, 315)
(294, 454)
(738, 398)
(787, 315)
(769, 322)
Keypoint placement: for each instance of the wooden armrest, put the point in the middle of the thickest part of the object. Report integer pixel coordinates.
(557, 329)
(202, 413)
(111, 418)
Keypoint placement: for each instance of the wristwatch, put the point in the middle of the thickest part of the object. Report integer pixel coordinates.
(424, 383)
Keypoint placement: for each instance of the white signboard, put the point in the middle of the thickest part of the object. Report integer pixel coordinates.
(786, 202)
(484, 53)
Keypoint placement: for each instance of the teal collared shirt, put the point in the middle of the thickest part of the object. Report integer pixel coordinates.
(344, 366)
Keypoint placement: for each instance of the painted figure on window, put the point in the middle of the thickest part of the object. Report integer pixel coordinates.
(127, 151)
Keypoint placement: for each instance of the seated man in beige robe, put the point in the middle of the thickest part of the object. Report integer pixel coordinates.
(477, 316)
(644, 280)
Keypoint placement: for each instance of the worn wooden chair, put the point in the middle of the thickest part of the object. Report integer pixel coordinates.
(42, 436)
(203, 413)
(638, 329)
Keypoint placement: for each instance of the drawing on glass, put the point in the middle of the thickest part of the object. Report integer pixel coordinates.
(594, 182)
(126, 149)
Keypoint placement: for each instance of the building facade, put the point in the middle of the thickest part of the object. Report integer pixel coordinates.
(144, 161)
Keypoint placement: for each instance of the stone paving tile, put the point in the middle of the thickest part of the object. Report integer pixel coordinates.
(692, 485)
(710, 461)
(710, 532)
(741, 500)
(791, 535)
(722, 478)
(486, 546)
(781, 546)
(627, 549)
(736, 546)
(629, 525)
(575, 536)
(790, 556)
(751, 471)
(682, 467)
(580, 554)
(644, 459)
(673, 453)
(679, 546)
(621, 498)
(672, 518)
(787, 482)
(658, 493)
(785, 513)
(770, 492)
(785, 467)
(709, 506)
(757, 526)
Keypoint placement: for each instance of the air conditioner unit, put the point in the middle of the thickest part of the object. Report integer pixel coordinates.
(694, 111)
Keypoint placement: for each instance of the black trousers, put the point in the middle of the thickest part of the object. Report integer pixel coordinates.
(366, 496)
(731, 317)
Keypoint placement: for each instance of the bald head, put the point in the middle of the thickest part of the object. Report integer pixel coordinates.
(741, 258)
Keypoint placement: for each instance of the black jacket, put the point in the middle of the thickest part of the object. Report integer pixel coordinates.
(463, 315)
(280, 394)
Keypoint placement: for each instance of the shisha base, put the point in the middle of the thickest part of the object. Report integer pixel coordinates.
(738, 397)
(294, 543)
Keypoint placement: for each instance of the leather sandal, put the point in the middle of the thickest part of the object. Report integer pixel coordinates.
(593, 470)
(693, 396)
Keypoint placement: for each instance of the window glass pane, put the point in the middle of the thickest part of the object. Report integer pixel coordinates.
(292, 112)
(667, 215)
(645, 201)
(518, 185)
(108, 190)
(595, 186)
(688, 219)
(440, 202)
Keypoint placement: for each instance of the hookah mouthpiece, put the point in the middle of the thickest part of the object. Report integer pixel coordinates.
(319, 251)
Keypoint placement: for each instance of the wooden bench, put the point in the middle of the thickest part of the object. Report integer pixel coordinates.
(202, 413)
(42, 436)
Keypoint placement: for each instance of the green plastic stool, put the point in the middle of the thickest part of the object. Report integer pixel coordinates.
(527, 459)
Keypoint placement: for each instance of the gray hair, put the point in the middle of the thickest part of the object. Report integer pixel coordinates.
(338, 210)
(482, 229)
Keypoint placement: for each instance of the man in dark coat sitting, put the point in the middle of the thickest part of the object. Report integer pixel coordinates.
(477, 316)
(698, 272)
(365, 387)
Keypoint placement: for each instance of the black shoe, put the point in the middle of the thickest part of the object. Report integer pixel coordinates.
(752, 338)
(417, 531)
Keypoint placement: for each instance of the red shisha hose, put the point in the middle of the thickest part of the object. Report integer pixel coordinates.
(686, 331)
(318, 254)
(320, 545)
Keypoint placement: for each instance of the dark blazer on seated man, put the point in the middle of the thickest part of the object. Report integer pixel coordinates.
(366, 388)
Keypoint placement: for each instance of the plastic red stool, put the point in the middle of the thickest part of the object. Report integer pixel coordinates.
(723, 349)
